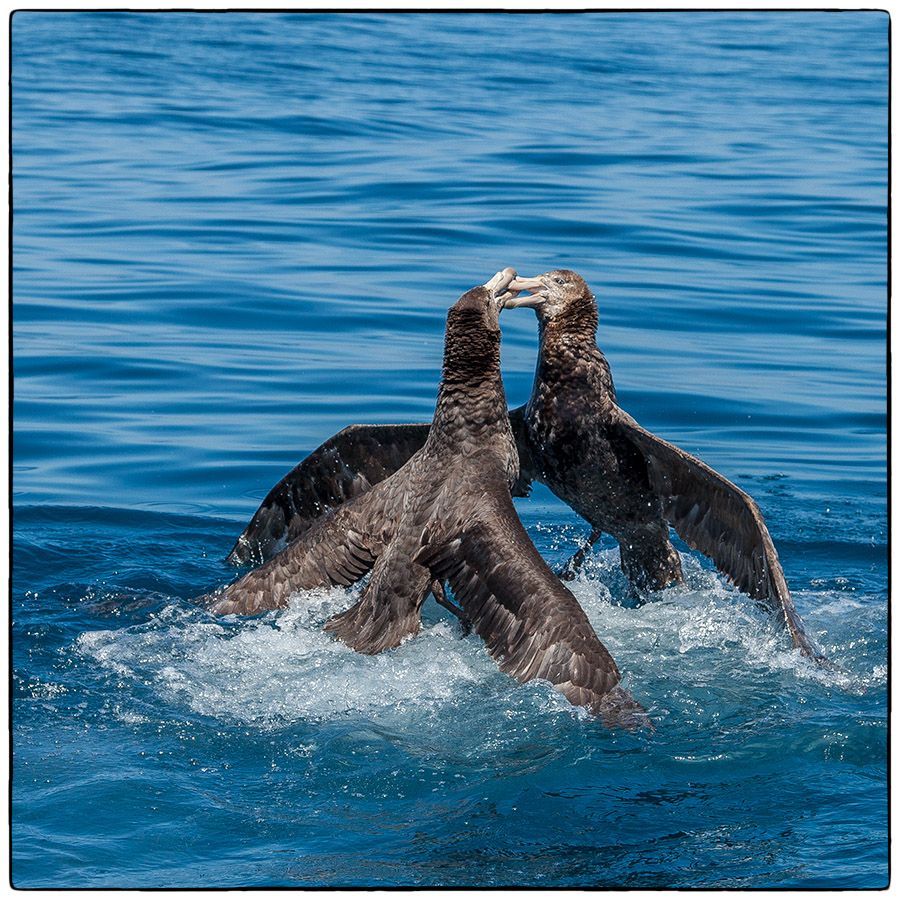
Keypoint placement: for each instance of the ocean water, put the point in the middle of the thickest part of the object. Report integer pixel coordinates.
(235, 234)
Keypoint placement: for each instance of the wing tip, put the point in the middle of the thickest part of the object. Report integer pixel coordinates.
(617, 708)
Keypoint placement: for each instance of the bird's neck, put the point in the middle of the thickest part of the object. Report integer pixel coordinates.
(577, 322)
(569, 354)
(471, 398)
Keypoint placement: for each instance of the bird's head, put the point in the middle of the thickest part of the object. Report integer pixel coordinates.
(482, 304)
(553, 295)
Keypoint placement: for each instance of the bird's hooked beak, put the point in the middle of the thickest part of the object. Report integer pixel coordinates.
(500, 286)
(536, 298)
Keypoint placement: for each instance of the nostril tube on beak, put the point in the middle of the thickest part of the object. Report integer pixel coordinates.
(526, 284)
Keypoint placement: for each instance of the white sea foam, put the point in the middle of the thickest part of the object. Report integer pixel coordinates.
(283, 667)
(708, 615)
(45, 690)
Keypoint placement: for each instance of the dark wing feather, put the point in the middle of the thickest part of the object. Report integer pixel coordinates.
(532, 625)
(720, 520)
(345, 466)
(339, 549)
(387, 610)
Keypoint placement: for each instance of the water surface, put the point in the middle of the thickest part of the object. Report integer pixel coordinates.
(235, 234)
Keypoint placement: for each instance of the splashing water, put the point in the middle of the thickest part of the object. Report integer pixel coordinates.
(282, 668)
(172, 714)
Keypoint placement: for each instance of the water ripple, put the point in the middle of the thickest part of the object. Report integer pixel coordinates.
(235, 234)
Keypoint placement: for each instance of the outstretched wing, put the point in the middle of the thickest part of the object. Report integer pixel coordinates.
(531, 623)
(720, 520)
(339, 549)
(345, 466)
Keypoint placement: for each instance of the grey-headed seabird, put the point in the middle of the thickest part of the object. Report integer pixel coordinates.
(625, 480)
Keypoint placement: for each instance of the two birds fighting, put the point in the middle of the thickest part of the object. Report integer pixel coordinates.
(421, 506)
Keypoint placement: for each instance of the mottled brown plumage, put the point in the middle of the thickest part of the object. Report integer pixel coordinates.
(622, 478)
(445, 514)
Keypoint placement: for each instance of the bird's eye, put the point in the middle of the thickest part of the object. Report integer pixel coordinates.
(559, 281)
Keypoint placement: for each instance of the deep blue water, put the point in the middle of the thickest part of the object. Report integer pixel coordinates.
(234, 234)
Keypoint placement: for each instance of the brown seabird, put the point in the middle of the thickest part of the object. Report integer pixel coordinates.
(447, 515)
(625, 480)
